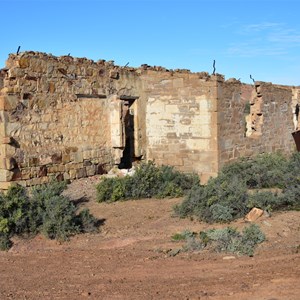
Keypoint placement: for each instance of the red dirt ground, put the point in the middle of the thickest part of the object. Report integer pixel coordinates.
(129, 258)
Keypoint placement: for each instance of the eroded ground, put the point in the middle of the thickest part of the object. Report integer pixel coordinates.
(129, 259)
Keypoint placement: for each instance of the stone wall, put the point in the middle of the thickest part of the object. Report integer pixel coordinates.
(254, 123)
(69, 118)
(181, 121)
(56, 116)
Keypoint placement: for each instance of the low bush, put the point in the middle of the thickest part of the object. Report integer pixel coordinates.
(225, 240)
(262, 171)
(148, 181)
(183, 235)
(221, 200)
(230, 240)
(227, 196)
(46, 210)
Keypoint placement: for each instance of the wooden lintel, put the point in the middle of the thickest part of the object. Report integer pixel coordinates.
(100, 96)
(124, 97)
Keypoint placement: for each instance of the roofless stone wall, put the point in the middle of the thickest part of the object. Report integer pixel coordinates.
(69, 118)
(181, 122)
(260, 122)
(55, 117)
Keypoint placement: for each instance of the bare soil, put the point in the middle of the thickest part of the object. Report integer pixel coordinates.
(130, 258)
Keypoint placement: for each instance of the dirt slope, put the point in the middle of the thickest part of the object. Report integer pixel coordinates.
(129, 259)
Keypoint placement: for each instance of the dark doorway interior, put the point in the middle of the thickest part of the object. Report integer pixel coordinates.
(128, 131)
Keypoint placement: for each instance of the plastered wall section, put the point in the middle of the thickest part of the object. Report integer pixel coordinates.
(55, 117)
(181, 122)
(256, 122)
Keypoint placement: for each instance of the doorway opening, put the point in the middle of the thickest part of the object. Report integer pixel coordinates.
(128, 130)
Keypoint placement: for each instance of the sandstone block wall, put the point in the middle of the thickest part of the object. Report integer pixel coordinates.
(56, 117)
(69, 118)
(254, 123)
(181, 122)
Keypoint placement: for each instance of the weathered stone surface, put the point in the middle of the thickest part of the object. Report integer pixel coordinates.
(24, 62)
(9, 163)
(254, 214)
(72, 117)
(5, 185)
(5, 175)
(7, 140)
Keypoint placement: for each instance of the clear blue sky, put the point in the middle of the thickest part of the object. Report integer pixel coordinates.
(261, 38)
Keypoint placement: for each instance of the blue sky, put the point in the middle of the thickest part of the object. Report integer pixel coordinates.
(261, 38)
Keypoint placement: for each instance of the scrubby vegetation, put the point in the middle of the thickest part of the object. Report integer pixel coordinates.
(44, 211)
(223, 240)
(148, 181)
(227, 196)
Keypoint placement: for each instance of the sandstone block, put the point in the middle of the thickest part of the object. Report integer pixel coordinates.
(51, 88)
(9, 163)
(2, 102)
(33, 161)
(66, 176)
(66, 158)
(72, 173)
(7, 150)
(87, 154)
(5, 185)
(87, 163)
(20, 182)
(43, 171)
(61, 168)
(254, 214)
(24, 62)
(45, 159)
(26, 174)
(91, 170)
(6, 175)
(12, 128)
(45, 179)
(114, 74)
(7, 140)
(78, 157)
(56, 158)
(81, 173)
(16, 72)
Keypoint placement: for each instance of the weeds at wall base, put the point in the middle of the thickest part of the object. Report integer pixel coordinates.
(148, 181)
(226, 197)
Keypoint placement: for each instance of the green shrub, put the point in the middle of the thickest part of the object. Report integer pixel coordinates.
(184, 235)
(193, 244)
(221, 200)
(223, 240)
(221, 213)
(262, 171)
(86, 221)
(148, 181)
(230, 240)
(5, 242)
(251, 237)
(111, 189)
(58, 218)
(226, 197)
(226, 240)
(46, 210)
(15, 211)
(264, 200)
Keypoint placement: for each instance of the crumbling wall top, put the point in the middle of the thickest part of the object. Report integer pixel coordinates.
(21, 60)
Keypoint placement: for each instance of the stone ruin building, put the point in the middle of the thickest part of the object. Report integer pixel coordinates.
(70, 118)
